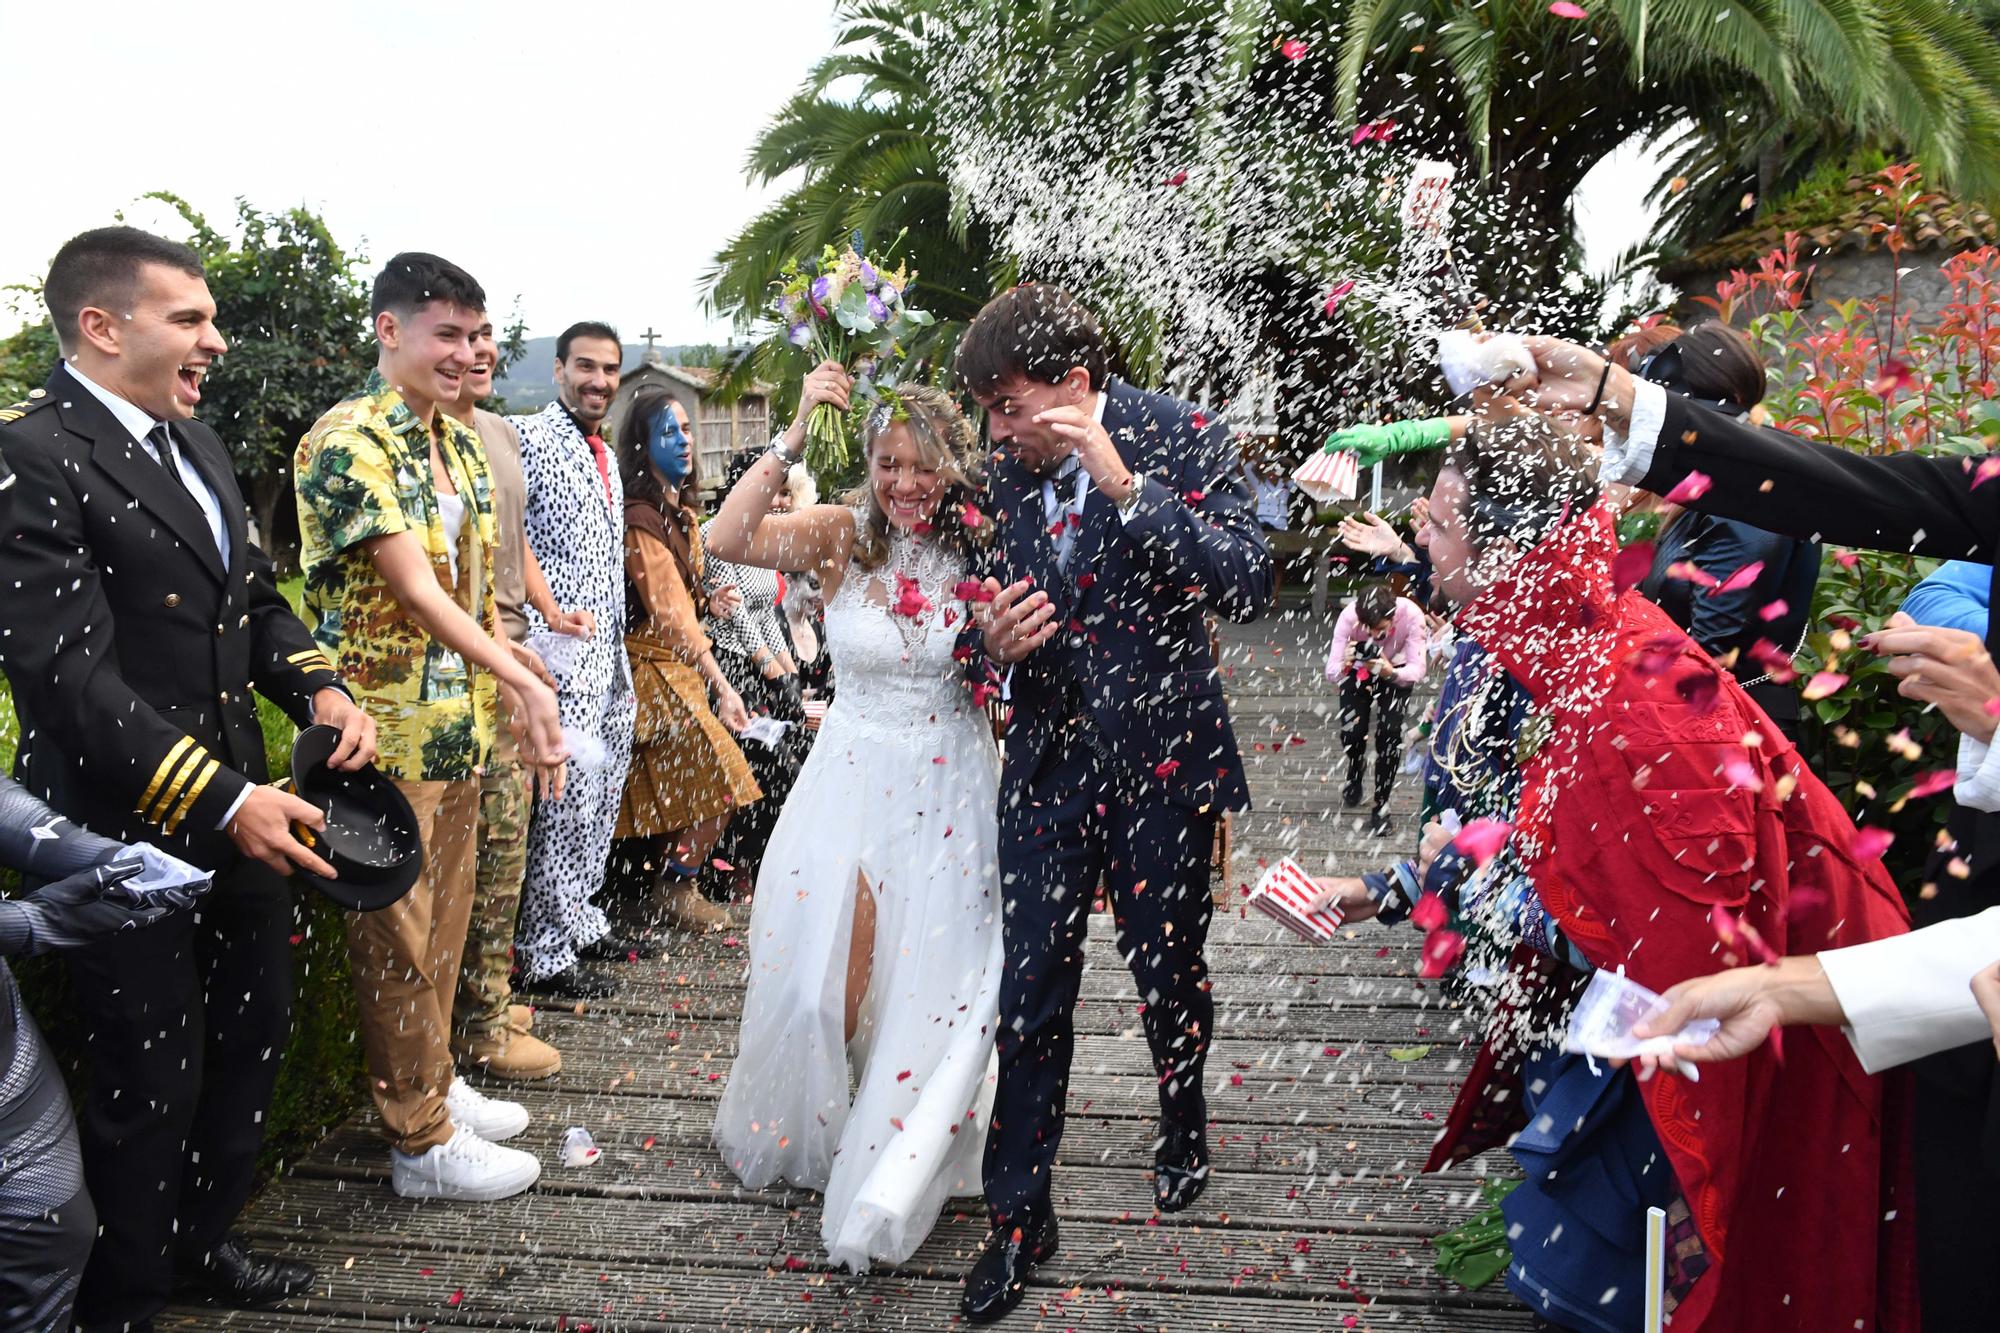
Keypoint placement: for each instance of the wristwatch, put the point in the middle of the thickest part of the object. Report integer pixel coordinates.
(778, 450)
(1130, 504)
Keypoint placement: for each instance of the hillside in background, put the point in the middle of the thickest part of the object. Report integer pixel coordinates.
(528, 384)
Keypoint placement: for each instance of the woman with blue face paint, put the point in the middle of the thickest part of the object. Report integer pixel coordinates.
(688, 775)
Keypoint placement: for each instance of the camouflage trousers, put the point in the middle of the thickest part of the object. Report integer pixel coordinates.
(483, 989)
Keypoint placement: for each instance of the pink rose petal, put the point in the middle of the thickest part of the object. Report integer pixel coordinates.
(1741, 579)
(1822, 684)
(1441, 949)
(1933, 782)
(1693, 486)
(1482, 839)
(1631, 565)
(1870, 842)
(1740, 772)
(1429, 913)
(1564, 9)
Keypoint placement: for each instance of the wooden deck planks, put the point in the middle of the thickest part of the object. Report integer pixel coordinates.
(1317, 1215)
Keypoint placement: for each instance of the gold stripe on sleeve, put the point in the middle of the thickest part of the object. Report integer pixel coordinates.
(168, 793)
(167, 765)
(193, 793)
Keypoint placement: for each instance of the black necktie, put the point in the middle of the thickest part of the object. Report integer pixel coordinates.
(163, 451)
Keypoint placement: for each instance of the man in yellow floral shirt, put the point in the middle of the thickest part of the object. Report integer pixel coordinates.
(397, 542)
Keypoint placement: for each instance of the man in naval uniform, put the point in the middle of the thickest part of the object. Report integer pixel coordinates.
(142, 622)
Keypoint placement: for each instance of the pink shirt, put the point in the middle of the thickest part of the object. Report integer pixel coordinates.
(1404, 646)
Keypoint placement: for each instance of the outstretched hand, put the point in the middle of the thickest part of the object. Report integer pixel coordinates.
(1346, 893)
(89, 905)
(1370, 534)
(1947, 667)
(1986, 990)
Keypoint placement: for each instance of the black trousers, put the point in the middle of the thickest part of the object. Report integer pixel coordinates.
(1076, 821)
(46, 1220)
(1957, 1157)
(1389, 703)
(185, 1023)
(776, 768)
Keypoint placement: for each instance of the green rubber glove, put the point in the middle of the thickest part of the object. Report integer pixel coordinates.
(1376, 442)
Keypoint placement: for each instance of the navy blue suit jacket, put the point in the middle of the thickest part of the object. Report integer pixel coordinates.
(1134, 601)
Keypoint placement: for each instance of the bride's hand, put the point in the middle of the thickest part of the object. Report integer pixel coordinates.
(829, 383)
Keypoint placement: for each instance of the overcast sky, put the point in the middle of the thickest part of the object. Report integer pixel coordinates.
(590, 160)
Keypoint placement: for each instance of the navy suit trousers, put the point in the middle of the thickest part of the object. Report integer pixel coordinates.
(1081, 819)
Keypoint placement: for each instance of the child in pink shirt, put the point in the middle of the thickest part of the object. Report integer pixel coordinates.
(1378, 657)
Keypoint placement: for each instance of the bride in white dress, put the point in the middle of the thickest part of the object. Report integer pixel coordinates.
(864, 1068)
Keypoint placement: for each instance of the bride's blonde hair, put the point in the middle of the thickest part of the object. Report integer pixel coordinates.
(946, 441)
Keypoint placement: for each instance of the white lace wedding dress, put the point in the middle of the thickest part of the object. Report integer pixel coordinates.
(900, 788)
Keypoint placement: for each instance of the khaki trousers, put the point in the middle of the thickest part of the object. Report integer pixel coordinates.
(483, 989)
(405, 963)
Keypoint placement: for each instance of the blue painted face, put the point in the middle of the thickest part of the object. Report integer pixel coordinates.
(667, 447)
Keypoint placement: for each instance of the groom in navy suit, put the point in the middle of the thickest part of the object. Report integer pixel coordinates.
(1123, 524)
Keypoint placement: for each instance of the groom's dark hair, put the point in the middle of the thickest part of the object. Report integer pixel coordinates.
(1035, 331)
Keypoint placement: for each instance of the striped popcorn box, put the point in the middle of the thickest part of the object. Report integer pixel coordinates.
(1330, 476)
(815, 709)
(1283, 894)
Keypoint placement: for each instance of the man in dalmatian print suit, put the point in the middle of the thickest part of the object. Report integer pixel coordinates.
(575, 521)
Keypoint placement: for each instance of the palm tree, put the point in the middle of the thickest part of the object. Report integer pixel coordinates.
(1748, 94)
(864, 138)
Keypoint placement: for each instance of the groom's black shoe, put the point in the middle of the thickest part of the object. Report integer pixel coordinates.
(995, 1284)
(1180, 1168)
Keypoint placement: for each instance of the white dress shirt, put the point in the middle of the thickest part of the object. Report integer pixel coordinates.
(139, 423)
(1909, 996)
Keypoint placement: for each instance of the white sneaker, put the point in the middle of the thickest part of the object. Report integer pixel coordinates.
(467, 1168)
(488, 1117)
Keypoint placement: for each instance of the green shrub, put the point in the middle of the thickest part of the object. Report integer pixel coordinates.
(1869, 377)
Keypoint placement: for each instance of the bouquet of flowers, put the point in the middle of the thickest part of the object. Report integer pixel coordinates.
(847, 307)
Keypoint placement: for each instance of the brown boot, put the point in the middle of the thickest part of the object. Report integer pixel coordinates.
(513, 1054)
(521, 1016)
(679, 904)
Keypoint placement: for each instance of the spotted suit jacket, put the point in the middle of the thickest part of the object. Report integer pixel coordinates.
(132, 652)
(579, 541)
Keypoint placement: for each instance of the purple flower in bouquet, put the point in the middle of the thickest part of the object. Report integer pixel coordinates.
(878, 310)
(822, 287)
(799, 334)
(870, 279)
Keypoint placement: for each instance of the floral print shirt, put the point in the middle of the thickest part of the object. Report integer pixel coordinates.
(364, 471)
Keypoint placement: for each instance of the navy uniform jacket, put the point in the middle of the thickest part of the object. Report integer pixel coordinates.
(132, 652)
(1134, 603)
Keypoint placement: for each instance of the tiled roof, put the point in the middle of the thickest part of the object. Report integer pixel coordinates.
(699, 378)
(1940, 223)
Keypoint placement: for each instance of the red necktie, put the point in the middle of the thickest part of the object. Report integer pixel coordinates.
(603, 458)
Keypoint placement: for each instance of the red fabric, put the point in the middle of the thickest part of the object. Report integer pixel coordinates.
(603, 457)
(1796, 1170)
(781, 590)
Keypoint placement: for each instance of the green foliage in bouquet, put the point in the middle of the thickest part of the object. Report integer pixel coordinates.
(848, 307)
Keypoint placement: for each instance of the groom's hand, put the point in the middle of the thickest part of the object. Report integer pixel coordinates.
(1094, 450)
(1022, 620)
